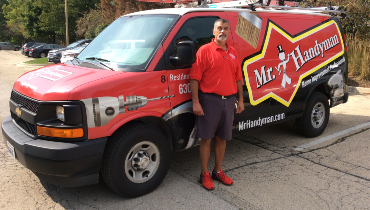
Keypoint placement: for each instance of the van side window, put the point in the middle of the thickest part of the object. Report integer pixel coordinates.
(198, 30)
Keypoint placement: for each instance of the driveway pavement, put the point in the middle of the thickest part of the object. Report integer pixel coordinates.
(271, 167)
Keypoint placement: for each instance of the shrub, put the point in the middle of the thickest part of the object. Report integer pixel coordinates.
(358, 57)
(100, 28)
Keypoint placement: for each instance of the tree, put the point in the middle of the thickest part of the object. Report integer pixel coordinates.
(357, 21)
(93, 22)
(44, 19)
(90, 22)
(5, 33)
(52, 17)
(15, 16)
(112, 9)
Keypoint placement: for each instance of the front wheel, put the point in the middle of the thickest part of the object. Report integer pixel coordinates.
(136, 160)
(315, 117)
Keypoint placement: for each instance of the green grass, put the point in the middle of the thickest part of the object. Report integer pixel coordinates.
(38, 61)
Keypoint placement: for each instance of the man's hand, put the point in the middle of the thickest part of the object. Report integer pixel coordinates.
(197, 109)
(240, 107)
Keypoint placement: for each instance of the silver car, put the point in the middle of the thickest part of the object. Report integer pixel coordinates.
(8, 46)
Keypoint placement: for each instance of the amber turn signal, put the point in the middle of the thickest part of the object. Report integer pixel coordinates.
(60, 132)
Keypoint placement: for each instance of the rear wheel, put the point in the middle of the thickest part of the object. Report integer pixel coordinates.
(42, 55)
(316, 116)
(136, 160)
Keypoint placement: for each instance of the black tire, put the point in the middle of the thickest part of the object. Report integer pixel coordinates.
(142, 144)
(42, 55)
(315, 117)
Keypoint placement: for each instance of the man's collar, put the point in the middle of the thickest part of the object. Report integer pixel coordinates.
(215, 46)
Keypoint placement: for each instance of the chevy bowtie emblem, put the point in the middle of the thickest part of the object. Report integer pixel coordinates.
(18, 111)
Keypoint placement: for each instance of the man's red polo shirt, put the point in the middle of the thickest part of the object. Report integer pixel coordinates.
(216, 70)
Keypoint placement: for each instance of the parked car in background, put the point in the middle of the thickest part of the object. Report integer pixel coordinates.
(71, 54)
(26, 47)
(9, 46)
(42, 51)
(55, 56)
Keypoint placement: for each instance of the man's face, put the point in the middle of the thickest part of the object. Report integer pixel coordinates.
(221, 31)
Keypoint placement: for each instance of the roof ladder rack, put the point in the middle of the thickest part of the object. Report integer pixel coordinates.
(253, 4)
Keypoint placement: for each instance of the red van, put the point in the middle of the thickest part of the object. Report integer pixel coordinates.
(123, 105)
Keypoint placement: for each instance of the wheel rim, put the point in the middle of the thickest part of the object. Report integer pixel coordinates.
(318, 115)
(142, 162)
(42, 55)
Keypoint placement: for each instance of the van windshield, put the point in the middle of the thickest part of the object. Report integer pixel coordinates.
(129, 43)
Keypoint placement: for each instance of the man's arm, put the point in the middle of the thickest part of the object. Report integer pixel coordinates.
(240, 106)
(197, 108)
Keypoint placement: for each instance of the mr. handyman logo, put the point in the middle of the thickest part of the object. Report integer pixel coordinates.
(285, 60)
(50, 73)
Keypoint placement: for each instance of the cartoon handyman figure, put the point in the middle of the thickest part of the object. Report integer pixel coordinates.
(283, 63)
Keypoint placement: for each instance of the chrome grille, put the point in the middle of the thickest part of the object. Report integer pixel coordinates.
(24, 101)
(26, 126)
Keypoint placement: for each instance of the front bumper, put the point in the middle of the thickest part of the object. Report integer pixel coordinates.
(60, 163)
(54, 59)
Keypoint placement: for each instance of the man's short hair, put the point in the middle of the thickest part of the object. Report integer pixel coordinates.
(222, 21)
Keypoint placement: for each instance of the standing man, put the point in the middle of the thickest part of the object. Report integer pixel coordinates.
(215, 78)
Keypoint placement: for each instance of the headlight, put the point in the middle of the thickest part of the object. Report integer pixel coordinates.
(60, 113)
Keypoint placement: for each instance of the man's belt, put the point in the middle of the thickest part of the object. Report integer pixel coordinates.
(222, 97)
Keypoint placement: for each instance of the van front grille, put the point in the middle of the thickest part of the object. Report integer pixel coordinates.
(26, 126)
(24, 101)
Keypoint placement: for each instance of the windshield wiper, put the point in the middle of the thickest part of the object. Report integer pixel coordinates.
(99, 60)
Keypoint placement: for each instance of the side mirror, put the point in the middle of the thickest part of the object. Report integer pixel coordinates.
(186, 54)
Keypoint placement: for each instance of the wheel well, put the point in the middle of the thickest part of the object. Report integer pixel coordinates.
(155, 121)
(322, 88)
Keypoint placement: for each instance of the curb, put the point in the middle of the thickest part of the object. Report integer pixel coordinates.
(358, 90)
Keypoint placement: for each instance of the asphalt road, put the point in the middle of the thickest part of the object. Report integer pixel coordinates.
(272, 168)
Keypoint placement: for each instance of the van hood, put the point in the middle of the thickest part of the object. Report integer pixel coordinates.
(55, 82)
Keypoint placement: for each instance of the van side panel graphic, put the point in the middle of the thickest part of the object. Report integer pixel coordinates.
(277, 71)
